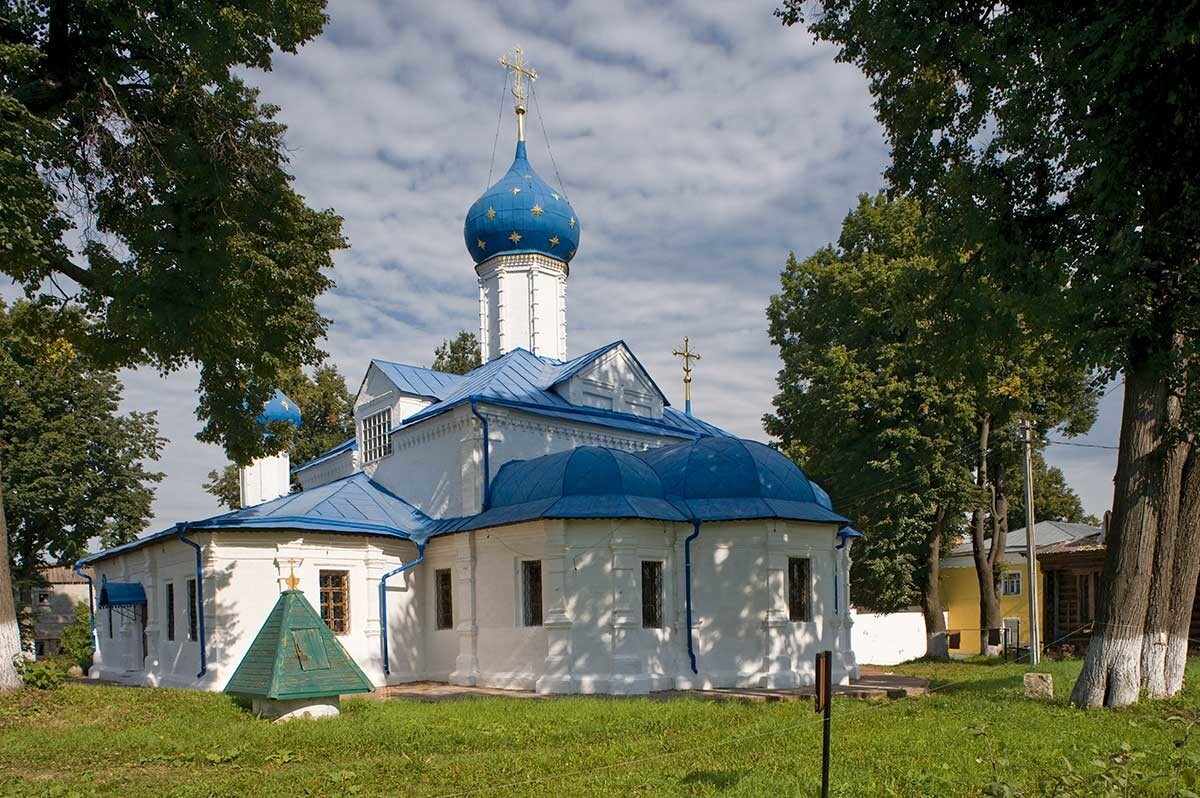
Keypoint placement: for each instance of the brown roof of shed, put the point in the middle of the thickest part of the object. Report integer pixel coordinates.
(62, 575)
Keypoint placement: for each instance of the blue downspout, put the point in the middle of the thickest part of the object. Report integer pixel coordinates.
(687, 586)
(383, 602)
(181, 531)
(91, 602)
(487, 445)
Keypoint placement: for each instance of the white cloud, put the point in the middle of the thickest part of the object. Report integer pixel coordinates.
(698, 146)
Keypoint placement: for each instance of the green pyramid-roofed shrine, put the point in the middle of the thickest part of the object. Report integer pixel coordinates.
(295, 655)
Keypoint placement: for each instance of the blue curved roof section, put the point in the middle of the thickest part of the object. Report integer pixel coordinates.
(279, 408)
(355, 505)
(521, 213)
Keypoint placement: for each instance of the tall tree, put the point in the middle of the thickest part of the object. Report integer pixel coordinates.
(75, 468)
(141, 177)
(865, 402)
(1053, 498)
(458, 356)
(326, 410)
(1063, 152)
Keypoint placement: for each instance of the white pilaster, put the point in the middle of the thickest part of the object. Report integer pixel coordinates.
(466, 664)
(557, 676)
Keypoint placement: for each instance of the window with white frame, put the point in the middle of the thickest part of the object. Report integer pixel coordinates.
(1011, 583)
(376, 435)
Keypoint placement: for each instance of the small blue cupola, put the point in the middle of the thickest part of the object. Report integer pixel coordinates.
(521, 213)
(279, 408)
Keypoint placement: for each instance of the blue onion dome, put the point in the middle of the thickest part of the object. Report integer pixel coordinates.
(280, 408)
(521, 213)
(725, 468)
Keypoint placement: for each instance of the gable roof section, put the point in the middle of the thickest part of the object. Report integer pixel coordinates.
(570, 368)
(417, 380)
(353, 505)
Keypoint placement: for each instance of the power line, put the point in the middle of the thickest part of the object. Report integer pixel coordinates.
(1082, 445)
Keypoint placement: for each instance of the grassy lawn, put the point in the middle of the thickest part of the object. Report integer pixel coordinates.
(138, 742)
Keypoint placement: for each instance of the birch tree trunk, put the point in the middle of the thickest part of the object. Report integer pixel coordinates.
(936, 645)
(1185, 572)
(1111, 674)
(10, 632)
(985, 559)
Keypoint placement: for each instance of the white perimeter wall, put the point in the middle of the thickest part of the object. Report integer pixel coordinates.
(889, 639)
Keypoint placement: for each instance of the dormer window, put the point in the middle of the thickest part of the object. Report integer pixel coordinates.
(376, 436)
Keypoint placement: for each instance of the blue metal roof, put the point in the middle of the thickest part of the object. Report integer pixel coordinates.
(349, 446)
(121, 594)
(353, 505)
(418, 380)
(521, 213)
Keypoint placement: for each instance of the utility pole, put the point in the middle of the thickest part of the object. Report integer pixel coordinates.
(1035, 648)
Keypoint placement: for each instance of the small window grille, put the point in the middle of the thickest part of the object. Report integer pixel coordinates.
(531, 592)
(170, 611)
(799, 589)
(376, 436)
(652, 594)
(444, 599)
(335, 600)
(193, 611)
(1011, 584)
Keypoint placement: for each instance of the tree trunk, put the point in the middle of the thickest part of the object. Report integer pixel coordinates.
(1160, 611)
(1111, 674)
(936, 645)
(10, 632)
(1185, 572)
(999, 535)
(985, 572)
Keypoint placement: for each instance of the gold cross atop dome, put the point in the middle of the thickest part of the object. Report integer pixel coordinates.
(520, 70)
(292, 581)
(688, 355)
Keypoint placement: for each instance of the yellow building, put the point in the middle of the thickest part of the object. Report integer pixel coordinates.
(960, 587)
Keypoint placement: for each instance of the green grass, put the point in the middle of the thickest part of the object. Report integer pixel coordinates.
(133, 742)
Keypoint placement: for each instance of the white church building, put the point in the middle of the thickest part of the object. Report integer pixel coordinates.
(541, 523)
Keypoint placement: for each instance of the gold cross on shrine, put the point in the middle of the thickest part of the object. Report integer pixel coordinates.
(520, 71)
(688, 356)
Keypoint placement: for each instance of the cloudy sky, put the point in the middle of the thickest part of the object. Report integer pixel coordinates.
(699, 145)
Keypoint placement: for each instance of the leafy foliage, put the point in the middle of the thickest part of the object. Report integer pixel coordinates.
(42, 674)
(1053, 498)
(74, 468)
(326, 411)
(127, 127)
(458, 356)
(76, 638)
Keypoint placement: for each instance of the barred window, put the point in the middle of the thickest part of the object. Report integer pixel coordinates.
(799, 589)
(652, 594)
(376, 436)
(443, 598)
(193, 611)
(170, 610)
(335, 600)
(531, 592)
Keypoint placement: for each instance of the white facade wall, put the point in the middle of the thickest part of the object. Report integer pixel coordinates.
(522, 304)
(339, 467)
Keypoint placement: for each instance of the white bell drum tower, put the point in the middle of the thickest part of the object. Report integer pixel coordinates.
(270, 477)
(522, 234)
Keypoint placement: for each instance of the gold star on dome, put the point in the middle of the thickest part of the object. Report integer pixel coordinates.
(536, 210)
(515, 237)
(491, 214)
(516, 191)
(479, 242)
(554, 241)
(571, 254)
(554, 195)
(572, 223)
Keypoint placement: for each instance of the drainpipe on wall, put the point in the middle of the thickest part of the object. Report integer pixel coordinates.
(181, 530)
(383, 602)
(91, 602)
(687, 586)
(487, 445)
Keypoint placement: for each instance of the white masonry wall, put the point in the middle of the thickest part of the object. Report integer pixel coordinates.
(522, 304)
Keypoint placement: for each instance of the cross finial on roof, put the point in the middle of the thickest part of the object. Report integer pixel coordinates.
(292, 581)
(520, 70)
(688, 356)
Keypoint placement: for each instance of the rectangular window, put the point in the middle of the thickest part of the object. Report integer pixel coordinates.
(1011, 584)
(799, 589)
(335, 600)
(43, 599)
(652, 594)
(376, 436)
(170, 611)
(193, 611)
(531, 592)
(443, 598)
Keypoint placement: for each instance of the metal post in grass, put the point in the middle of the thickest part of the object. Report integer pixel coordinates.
(824, 703)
